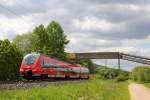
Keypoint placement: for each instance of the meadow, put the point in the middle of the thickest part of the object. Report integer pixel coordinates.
(147, 85)
(93, 89)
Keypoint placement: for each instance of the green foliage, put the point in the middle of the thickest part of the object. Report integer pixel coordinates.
(108, 73)
(121, 77)
(87, 63)
(57, 40)
(50, 41)
(111, 73)
(23, 42)
(10, 60)
(89, 90)
(147, 85)
(39, 39)
(141, 74)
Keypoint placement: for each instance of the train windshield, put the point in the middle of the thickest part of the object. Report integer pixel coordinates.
(30, 59)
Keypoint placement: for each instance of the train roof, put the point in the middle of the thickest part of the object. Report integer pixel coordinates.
(59, 62)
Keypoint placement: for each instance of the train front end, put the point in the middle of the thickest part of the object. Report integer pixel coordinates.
(28, 66)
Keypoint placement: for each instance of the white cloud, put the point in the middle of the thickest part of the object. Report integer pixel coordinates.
(92, 27)
(17, 25)
(86, 42)
(8, 2)
(82, 42)
(92, 23)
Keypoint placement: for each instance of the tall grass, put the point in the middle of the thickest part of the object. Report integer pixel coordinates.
(147, 85)
(94, 89)
(141, 74)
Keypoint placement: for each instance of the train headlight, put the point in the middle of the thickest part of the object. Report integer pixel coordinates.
(21, 70)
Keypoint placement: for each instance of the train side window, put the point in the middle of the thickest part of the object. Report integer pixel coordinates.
(48, 64)
(42, 63)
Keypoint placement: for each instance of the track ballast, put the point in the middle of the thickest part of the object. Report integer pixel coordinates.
(10, 85)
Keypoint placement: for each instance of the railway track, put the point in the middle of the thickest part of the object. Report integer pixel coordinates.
(11, 85)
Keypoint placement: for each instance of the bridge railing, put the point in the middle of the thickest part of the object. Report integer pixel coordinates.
(135, 58)
(110, 55)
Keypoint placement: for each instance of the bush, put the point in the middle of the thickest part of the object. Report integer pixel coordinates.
(107, 73)
(111, 73)
(141, 74)
(10, 59)
(121, 78)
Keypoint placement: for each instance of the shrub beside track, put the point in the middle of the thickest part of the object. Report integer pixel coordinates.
(141, 74)
(10, 60)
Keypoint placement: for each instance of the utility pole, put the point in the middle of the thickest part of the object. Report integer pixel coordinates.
(105, 62)
(119, 61)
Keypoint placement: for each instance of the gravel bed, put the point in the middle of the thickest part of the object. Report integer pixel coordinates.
(10, 85)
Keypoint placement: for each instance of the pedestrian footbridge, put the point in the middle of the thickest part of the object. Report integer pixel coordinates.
(111, 55)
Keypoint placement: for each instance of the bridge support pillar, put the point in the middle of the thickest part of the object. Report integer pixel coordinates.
(118, 63)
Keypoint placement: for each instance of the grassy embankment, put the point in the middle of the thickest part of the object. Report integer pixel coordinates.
(94, 89)
(141, 75)
(147, 85)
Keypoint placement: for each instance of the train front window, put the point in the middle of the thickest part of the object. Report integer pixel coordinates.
(30, 59)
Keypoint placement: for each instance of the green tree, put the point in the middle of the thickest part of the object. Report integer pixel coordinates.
(50, 41)
(23, 42)
(57, 41)
(141, 74)
(10, 60)
(39, 39)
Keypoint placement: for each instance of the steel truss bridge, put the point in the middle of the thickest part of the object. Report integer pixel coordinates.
(111, 55)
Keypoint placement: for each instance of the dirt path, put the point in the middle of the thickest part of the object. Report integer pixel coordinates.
(139, 92)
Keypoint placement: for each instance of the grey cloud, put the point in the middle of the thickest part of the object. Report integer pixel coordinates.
(140, 26)
(135, 22)
(116, 35)
(119, 1)
(102, 9)
(24, 7)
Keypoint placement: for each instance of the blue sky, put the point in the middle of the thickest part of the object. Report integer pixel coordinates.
(91, 25)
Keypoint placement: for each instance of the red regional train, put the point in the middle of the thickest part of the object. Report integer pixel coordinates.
(39, 65)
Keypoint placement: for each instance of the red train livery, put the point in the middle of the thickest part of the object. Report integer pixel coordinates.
(39, 65)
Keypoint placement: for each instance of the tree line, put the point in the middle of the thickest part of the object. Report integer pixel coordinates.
(50, 40)
(10, 60)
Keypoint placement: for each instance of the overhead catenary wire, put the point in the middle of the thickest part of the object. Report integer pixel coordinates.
(12, 11)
